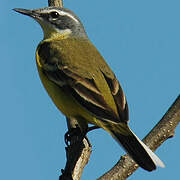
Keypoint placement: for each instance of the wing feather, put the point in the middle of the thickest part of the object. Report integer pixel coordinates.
(89, 91)
(119, 97)
(85, 92)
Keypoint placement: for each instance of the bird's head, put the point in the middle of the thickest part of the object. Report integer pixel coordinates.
(56, 21)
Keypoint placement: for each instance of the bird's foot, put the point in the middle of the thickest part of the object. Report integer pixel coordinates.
(75, 134)
(72, 135)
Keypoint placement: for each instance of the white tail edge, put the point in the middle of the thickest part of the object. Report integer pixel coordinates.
(154, 157)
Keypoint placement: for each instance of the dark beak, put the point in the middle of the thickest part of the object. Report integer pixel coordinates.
(27, 12)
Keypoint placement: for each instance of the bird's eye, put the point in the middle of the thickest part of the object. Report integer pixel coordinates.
(54, 14)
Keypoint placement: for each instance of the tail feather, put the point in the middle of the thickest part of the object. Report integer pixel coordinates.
(141, 154)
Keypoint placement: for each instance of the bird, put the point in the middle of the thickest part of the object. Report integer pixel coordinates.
(80, 82)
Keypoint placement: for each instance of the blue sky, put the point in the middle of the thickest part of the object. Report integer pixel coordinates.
(139, 39)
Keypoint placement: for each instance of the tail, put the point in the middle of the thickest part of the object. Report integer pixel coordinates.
(139, 152)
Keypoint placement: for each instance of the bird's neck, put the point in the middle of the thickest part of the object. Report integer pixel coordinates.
(49, 34)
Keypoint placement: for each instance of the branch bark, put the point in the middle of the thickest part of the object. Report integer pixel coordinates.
(78, 154)
(161, 132)
(56, 3)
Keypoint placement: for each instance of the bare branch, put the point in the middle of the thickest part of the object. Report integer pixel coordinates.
(56, 3)
(77, 154)
(161, 132)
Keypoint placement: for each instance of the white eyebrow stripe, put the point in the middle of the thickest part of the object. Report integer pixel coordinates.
(69, 15)
(62, 13)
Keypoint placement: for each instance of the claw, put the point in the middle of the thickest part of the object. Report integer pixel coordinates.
(67, 138)
(74, 132)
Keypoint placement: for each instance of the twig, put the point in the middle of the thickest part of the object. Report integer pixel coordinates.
(56, 3)
(77, 154)
(161, 132)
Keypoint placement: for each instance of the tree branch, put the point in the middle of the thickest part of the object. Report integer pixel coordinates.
(77, 154)
(161, 132)
(56, 3)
